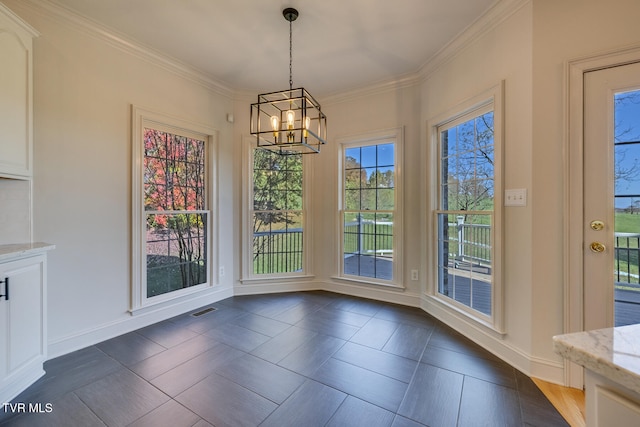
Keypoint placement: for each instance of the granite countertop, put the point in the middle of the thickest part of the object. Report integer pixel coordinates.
(8, 252)
(612, 352)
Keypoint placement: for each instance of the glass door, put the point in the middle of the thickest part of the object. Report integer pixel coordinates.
(612, 197)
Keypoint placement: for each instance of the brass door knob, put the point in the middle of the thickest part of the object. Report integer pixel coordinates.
(597, 225)
(597, 247)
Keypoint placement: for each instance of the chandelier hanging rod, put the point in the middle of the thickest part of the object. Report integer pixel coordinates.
(290, 14)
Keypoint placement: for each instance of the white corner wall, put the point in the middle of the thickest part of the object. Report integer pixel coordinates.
(15, 214)
(85, 84)
(562, 31)
(355, 116)
(500, 50)
(530, 50)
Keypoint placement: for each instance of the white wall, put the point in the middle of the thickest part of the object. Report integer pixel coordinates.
(350, 115)
(354, 116)
(501, 50)
(15, 211)
(530, 50)
(562, 31)
(84, 88)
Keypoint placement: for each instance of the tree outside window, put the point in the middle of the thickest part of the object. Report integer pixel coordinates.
(277, 214)
(175, 205)
(466, 211)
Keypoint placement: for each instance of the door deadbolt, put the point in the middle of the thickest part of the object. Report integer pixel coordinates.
(597, 247)
(597, 225)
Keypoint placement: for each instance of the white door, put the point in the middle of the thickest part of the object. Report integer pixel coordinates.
(611, 197)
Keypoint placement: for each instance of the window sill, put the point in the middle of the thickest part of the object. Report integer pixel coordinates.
(461, 312)
(277, 279)
(368, 282)
(173, 298)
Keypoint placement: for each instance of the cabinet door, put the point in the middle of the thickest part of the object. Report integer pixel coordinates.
(16, 138)
(23, 314)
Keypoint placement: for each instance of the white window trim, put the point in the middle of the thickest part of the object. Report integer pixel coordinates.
(141, 118)
(494, 97)
(249, 145)
(396, 136)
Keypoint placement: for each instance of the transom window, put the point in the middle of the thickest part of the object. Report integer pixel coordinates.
(369, 209)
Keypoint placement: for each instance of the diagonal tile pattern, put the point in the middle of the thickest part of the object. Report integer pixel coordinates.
(295, 359)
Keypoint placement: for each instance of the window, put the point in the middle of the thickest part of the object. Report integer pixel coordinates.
(171, 208)
(369, 214)
(466, 214)
(176, 215)
(277, 214)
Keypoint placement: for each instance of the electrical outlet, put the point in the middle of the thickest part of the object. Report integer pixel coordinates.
(221, 274)
(414, 274)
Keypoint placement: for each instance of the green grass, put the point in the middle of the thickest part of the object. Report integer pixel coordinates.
(627, 223)
(277, 253)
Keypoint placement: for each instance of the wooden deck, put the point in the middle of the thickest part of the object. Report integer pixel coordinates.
(627, 306)
(474, 290)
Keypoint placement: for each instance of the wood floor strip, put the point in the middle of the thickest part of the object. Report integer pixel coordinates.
(568, 401)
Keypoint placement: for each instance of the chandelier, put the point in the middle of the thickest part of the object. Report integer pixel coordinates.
(289, 121)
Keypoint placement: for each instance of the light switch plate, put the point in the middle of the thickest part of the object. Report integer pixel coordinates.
(515, 197)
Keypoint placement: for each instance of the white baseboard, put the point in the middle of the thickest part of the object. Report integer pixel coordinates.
(274, 288)
(128, 323)
(386, 294)
(16, 384)
(548, 370)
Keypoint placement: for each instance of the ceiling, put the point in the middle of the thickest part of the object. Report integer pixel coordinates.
(338, 45)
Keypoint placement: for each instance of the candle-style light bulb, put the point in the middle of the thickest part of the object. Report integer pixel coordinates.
(275, 125)
(307, 124)
(291, 119)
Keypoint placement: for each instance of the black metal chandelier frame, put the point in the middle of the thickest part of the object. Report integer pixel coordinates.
(289, 121)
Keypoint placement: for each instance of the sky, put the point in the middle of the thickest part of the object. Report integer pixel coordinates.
(627, 156)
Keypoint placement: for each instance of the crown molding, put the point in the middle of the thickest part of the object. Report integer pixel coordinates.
(497, 13)
(384, 86)
(74, 21)
(19, 21)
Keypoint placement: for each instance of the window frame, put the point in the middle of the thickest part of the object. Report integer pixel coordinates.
(248, 276)
(490, 100)
(387, 136)
(143, 118)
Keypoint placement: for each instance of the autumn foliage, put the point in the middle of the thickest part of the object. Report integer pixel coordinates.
(175, 203)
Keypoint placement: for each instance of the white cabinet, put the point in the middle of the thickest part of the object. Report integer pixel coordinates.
(608, 403)
(16, 95)
(23, 328)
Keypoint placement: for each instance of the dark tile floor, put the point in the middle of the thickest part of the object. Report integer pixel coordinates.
(297, 359)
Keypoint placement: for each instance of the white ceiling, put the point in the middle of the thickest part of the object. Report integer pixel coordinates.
(337, 44)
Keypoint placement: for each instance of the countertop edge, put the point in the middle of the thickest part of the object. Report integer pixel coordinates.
(594, 363)
(19, 250)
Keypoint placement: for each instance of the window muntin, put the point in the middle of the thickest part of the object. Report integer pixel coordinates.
(369, 202)
(465, 214)
(176, 214)
(277, 214)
